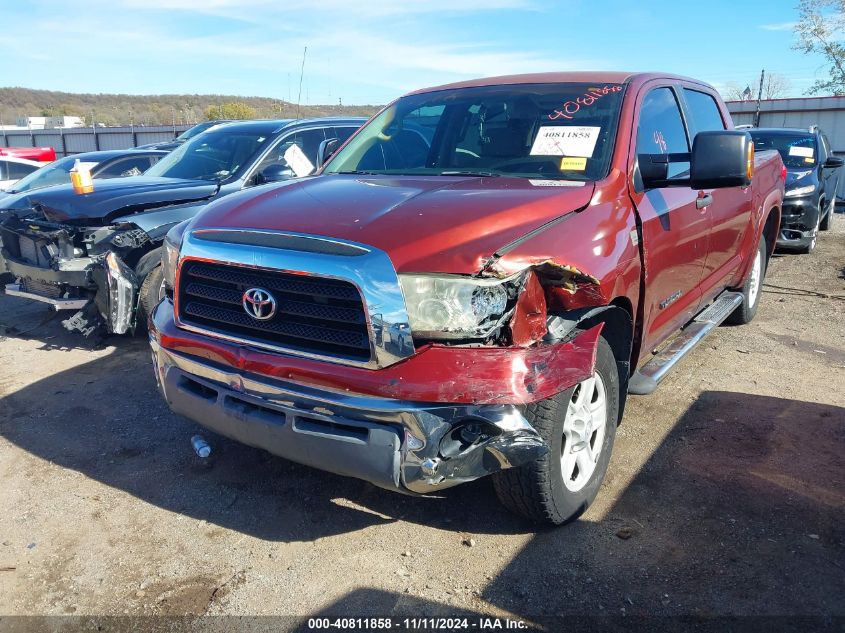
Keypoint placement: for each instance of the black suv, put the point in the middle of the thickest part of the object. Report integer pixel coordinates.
(812, 179)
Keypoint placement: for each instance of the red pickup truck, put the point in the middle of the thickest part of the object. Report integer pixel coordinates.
(473, 283)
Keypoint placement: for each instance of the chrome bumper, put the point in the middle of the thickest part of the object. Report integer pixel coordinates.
(14, 290)
(410, 447)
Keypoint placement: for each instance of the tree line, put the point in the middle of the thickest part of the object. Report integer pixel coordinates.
(123, 109)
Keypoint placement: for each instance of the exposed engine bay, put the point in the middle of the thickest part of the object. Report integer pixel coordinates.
(87, 269)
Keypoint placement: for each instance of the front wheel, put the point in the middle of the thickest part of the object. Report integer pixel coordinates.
(150, 294)
(828, 217)
(811, 245)
(579, 426)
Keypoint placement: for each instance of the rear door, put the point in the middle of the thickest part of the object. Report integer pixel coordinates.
(674, 232)
(730, 209)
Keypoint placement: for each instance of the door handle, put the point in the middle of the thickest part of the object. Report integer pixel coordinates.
(703, 201)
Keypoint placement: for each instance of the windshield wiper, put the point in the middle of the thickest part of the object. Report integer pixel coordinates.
(356, 172)
(480, 174)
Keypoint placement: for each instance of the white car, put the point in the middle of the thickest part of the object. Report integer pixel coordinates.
(13, 169)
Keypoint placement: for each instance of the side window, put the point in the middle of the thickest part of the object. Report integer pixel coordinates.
(307, 140)
(134, 166)
(4, 170)
(825, 147)
(407, 144)
(703, 111)
(340, 133)
(17, 171)
(661, 129)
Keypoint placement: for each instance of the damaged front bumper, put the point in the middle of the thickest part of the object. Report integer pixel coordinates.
(99, 289)
(296, 408)
(798, 223)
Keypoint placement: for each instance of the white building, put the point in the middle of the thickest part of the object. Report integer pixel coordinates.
(32, 122)
(48, 122)
(64, 121)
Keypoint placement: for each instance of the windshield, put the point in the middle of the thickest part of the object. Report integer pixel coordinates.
(556, 131)
(798, 150)
(56, 173)
(215, 155)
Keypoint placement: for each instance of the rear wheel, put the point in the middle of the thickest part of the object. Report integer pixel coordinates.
(751, 289)
(579, 426)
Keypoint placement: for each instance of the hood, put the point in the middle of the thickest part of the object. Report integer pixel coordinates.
(799, 177)
(426, 224)
(111, 198)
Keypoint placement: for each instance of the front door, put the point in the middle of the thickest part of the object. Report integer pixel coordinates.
(730, 209)
(675, 232)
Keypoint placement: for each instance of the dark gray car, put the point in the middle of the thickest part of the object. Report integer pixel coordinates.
(99, 254)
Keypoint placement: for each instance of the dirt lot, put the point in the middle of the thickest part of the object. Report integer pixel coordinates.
(725, 496)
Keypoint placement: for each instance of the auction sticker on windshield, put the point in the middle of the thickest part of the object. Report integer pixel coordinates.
(564, 140)
(806, 152)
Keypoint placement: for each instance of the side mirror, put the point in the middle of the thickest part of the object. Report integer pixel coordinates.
(654, 170)
(274, 173)
(833, 162)
(326, 149)
(722, 158)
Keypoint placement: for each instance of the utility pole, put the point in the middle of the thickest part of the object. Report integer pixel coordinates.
(759, 98)
(301, 74)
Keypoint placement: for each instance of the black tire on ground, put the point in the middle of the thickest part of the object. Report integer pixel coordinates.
(828, 217)
(537, 490)
(811, 246)
(747, 309)
(149, 296)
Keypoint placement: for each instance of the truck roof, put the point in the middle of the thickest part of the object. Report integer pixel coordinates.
(574, 76)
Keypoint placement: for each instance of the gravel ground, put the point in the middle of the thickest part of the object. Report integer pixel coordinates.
(725, 495)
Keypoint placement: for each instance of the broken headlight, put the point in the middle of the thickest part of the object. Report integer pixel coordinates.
(170, 253)
(454, 307)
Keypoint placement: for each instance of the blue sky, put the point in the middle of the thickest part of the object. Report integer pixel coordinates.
(370, 52)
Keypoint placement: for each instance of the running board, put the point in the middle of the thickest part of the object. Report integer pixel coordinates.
(645, 380)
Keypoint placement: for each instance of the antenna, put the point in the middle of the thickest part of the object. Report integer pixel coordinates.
(301, 74)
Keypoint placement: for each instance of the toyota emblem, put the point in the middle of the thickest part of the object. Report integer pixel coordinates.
(259, 304)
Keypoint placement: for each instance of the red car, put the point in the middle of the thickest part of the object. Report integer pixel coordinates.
(39, 154)
(472, 283)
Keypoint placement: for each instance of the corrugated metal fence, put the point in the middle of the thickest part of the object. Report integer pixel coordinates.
(85, 139)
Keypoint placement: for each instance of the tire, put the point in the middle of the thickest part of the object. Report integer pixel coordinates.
(537, 490)
(150, 295)
(811, 246)
(824, 225)
(751, 289)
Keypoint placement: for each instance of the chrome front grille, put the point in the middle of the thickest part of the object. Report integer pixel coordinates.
(316, 315)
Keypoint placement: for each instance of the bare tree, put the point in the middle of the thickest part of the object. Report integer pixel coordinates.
(774, 86)
(820, 30)
(735, 92)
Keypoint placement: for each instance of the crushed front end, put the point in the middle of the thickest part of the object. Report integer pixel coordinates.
(72, 267)
(336, 376)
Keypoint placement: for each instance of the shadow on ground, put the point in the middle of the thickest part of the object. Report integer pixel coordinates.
(739, 511)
